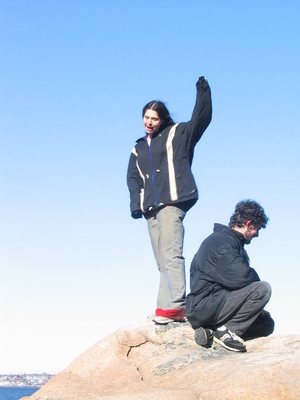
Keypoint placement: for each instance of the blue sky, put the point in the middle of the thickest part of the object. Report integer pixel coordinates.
(74, 76)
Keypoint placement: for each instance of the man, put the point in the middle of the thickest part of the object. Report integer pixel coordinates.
(227, 297)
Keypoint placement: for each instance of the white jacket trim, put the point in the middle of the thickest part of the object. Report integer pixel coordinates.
(171, 168)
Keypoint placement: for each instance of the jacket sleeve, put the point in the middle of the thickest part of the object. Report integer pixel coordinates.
(135, 185)
(202, 112)
(233, 270)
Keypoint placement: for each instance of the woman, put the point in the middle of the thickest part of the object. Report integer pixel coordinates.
(162, 189)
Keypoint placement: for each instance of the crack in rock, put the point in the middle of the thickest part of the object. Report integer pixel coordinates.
(127, 356)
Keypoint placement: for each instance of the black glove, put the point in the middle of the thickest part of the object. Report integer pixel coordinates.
(202, 82)
(137, 214)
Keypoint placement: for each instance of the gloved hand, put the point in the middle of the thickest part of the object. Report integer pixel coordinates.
(137, 214)
(202, 82)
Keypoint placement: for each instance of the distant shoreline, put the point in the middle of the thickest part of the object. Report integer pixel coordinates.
(20, 386)
(24, 380)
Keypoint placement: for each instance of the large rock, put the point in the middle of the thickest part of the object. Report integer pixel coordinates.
(149, 362)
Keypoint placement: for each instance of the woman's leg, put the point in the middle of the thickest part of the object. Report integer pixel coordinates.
(163, 292)
(167, 234)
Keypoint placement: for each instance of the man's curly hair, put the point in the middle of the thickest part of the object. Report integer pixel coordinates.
(247, 210)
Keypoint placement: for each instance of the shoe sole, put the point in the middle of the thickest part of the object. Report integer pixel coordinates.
(203, 337)
(156, 319)
(162, 322)
(241, 350)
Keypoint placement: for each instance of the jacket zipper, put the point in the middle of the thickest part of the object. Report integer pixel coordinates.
(154, 189)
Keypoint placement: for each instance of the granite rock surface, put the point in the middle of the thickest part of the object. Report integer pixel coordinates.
(149, 362)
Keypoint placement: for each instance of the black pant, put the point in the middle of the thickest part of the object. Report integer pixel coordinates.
(243, 306)
(262, 326)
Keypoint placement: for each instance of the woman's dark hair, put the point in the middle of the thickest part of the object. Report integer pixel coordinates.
(248, 210)
(162, 112)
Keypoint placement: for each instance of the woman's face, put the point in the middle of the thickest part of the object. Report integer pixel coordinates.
(152, 122)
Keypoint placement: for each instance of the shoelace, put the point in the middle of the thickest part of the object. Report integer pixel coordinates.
(225, 336)
(236, 337)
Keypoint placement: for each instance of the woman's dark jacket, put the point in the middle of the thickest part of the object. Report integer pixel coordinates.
(160, 174)
(221, 265)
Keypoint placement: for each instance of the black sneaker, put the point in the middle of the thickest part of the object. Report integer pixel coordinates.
(229, 340)
(204, 337)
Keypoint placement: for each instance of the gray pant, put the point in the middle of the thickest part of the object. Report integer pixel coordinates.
(167, 233)
(243, 306)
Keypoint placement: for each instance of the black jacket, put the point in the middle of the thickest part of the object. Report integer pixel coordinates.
(221, 265)
(160, 174)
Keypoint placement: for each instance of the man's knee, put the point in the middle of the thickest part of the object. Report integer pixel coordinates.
(266, 290)
(262, 290)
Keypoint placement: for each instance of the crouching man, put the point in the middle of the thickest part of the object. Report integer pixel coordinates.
(227, 298)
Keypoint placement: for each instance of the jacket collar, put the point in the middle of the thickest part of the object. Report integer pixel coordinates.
(227, 230)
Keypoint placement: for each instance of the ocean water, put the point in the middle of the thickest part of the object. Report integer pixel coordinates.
(16, 393)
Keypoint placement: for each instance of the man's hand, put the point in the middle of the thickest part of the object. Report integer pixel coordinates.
(202, 82)
(137, 214)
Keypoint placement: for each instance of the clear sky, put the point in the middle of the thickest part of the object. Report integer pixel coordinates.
(74, 76)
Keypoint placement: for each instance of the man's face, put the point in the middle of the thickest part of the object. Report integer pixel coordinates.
(251, 232)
